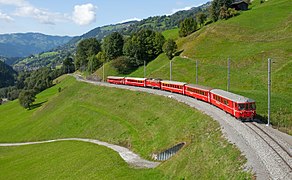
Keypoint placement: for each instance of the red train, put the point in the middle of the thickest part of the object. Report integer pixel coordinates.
(238, 106)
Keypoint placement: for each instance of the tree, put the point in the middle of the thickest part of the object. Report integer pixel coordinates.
(68, 66)
(216, 6)
(201, 18)
(170, 48)
(101, 56)
(145, 45)
(93, 63)
(124, 64)
(113, 45)
(85, 49)
(187, 27)
(26, 98)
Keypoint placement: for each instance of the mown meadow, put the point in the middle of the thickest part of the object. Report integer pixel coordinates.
(142, 122)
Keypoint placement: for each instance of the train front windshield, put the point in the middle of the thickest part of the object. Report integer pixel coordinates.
(247, 106)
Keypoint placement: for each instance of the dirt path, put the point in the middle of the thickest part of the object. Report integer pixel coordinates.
(130, 157)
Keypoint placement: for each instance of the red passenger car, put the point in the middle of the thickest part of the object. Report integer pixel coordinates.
(135, 81)
(236, 105)
(115, 80)
(153, 83)
(198, 92)
(173, 86)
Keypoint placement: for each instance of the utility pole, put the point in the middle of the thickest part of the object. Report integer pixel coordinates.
(196, 71)
(144, 69)
(170, 69)
(228, 74)
(269, 91)
(103, 71)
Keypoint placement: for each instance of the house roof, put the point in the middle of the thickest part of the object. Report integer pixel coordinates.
(238, 2)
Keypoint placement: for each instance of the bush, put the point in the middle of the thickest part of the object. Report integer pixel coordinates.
(124, 64)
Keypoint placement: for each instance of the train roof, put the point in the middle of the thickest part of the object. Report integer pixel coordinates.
(115, 77)
(173, 82)
(135, 78)
(231, 96)
(205, 88)
(154, 79)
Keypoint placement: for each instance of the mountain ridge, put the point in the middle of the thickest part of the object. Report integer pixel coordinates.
(25, 44)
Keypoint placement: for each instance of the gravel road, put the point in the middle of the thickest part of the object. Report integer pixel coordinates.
(266, 158)
(130, 157)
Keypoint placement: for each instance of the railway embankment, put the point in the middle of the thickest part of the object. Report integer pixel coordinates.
(268, 156)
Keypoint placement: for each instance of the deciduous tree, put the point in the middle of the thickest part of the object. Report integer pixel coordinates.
(86, 49)
(26, 98)
(169, 48)
(201, 18)
(187, 26)
(145, 45)
(113, 45)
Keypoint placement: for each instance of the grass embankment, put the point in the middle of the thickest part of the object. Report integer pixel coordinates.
(67, 160)
(248, 40)
(145, 123)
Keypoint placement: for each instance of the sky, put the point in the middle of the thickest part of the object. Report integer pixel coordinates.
(76, 17)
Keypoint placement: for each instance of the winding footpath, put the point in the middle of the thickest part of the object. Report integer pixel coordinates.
(269, 157)
(130, 157)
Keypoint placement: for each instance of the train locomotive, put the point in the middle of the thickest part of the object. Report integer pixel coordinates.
(236, 105)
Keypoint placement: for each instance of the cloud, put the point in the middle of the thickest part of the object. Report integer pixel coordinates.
(184, 9)
(25, 9)
(17, 3)
(181, 9)
(131, 19)
(41, 15)
(84, 14)
(5, 17)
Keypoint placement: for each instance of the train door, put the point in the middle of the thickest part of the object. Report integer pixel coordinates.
(234, 108)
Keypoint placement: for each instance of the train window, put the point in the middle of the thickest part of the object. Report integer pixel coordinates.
(252, 106)
(241, 106)
(226, 102)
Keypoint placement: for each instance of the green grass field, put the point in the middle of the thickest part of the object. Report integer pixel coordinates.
(145, 123)
(248, 40)
(67, 160)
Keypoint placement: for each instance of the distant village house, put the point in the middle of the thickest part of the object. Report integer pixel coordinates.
(240, 5)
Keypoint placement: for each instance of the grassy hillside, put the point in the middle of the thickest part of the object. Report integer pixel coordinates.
(67, 160)
(248, 40)
(142, 122)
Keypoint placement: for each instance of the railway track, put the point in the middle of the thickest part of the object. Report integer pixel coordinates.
(279, 149)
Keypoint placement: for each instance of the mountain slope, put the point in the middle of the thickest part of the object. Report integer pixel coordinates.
(24, 44)
(7, 75)
(248, 40)
(157, 23)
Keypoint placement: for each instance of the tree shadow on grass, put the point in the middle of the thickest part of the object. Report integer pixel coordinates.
(37, 105)
(178, 53)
